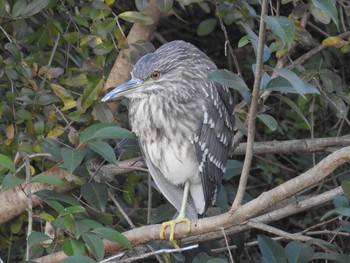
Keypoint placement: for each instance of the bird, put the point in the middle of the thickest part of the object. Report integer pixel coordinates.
(184, 124)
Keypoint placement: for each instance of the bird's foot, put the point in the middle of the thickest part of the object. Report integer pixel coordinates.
(172, 224)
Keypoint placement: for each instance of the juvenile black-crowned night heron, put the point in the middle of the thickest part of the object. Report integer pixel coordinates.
(184, 124)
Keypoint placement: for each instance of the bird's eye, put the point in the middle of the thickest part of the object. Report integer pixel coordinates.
(155, 75)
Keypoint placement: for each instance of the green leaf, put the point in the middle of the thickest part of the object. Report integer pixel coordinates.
(333, 257)
(142, 5)
(216, 260)
(269, 121)
(35, 7)
(103, 149)
(78, 259)
(55, 205)
(48, 194)
(95, 194)
(233, 168)
(104, 131)
(82, 226)
(271, 250)
(72, 158)
(36, 238)
(297, 252)
(136, 17)
(72, 210)
(283, 85)
(14, 51)
(345, 185)
(64, 222)
(292, 78)
(229, 79)
(95, 244)
(73, 247)
(329, 7)
(18, 8)
(49, 179)
(283, 27)
(206, 26)
(77, 81)
(6, 163)
(46, 217)
(17, 225)
(243, 41)
(254, 40)
(5, 10)
(343, 211)
(293, 106)
(340, 201)
(165, 5)
(52, 195)
(91, 93)
(112, 235)
(107, 26)
(10, 181)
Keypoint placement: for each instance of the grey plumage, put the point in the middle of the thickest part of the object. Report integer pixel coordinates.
(184, 122)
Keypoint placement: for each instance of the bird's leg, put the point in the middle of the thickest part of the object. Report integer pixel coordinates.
(180, 218)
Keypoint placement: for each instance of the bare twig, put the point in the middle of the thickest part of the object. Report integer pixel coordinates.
(28, 191)
(277, 232)
(159, 252)
(228, 43)
(227, 246)
(121, 210)
(252, 111)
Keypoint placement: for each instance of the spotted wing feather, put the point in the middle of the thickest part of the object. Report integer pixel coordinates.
(213, 139)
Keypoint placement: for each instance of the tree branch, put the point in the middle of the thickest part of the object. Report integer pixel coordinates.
(243, 213)
(252, 111)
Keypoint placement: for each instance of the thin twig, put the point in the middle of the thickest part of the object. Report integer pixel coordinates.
(227, 245)
(121, 210)
(159, 252)
(228, 43)
(277, 232)
(28, 191)
(252, 111)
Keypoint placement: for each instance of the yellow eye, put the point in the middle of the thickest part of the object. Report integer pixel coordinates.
(155, 75)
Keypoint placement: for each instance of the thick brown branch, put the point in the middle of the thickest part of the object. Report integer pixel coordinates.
(14, 201)
(245, 212)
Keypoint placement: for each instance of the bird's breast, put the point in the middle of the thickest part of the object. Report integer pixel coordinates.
(165, 131)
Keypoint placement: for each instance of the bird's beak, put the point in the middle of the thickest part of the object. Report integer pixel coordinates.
(122, 90)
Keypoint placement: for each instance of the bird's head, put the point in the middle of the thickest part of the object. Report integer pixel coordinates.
(172, 70)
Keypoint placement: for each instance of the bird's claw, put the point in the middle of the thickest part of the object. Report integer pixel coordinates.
(172, 225)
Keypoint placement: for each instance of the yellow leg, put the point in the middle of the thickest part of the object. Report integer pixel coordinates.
(181, 218)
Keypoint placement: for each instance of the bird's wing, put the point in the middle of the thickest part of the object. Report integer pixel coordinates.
(213, 139)
(173, 193)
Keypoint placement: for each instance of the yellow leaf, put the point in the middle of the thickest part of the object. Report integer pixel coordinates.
(69, 105)
(10, 132)
(109, 2)
(32, 170)
(334, 42)
(55, 132)
(91, 40)
(65, 96)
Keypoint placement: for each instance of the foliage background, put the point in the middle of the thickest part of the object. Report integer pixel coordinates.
(55, 57)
